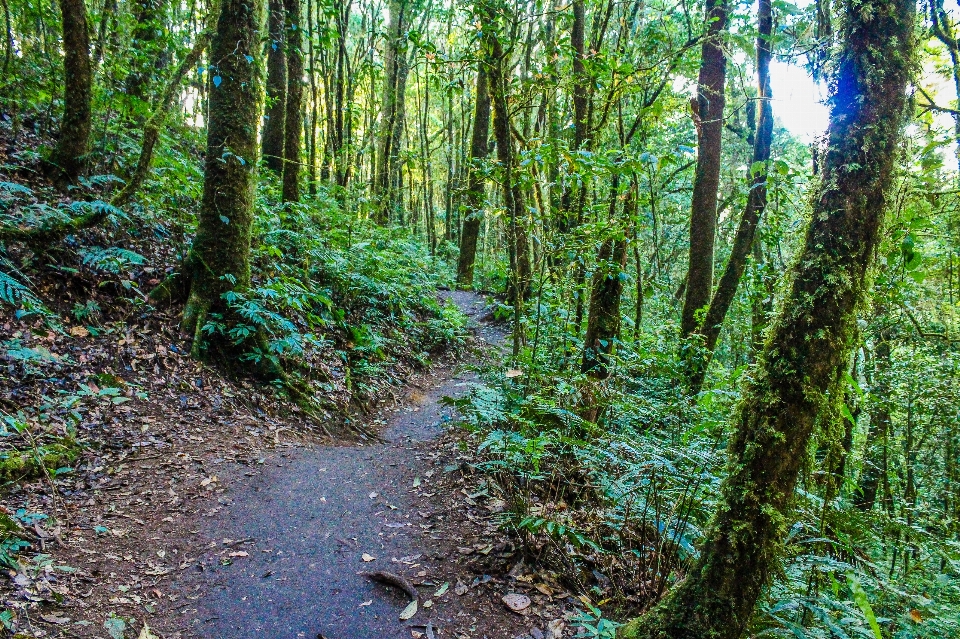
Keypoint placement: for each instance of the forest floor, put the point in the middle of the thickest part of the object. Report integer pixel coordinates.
(241, 525)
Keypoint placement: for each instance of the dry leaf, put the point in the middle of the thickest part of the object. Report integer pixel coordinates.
(239, 553)
(52, 618)
(516, 602)
(367, 557)
(409, 611)
(146, 633)
(915, 615)
(78, 331)
(461, 589)
(442, 590)
(514, 372)
(555, 629)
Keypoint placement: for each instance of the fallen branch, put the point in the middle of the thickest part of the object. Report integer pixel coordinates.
(390, 579)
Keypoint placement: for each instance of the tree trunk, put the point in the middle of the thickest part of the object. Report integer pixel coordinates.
(69, 156)
(151, 130)
(394, 84)
(520, 275)
(148, 47)
(293, 125)
(708, 116)
(273, 125)
(809, 339)
(874, 459)
(219, 259)
(603, 319)
(756, 203)
(475, 183)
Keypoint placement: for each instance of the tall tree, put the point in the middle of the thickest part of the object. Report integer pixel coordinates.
(475, 182)
(70, 154)
(756, 203)
(276, 113)
(386, 180)
(148, 47)
(811, 337)
(293, 125)
(707, 110)
(219, 259)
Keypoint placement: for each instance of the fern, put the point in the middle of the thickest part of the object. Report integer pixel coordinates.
(110, 260)
(17, 295)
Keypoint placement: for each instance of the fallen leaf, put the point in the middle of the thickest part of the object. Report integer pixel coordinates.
(239, 553)
(373, 495)
(545, 589)
(428, 603)
(514, 372)
(78, 331)
(555, 629)
(365, 603)
(915, 615)
(442, 590)
(516, 602)
(416, 482)
(461, 589)
(367, 557)
(52, 618)
(146, 633)
(409, 611)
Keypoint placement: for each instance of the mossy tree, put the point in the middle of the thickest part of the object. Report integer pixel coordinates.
(219, 259)
(475, 183)
(293, 124)
(275, 116)
(70, 154)
(810, 338)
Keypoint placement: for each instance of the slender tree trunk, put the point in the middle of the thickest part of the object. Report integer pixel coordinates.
(314, 108)
(69, 157)
(151, 130)
(810, 338)
(874, 460)
(475, 182)
(293, 126)
(708, 116)
(394, 68)
(219, 259)
(520, 275)
(273, 125)
(756, 203)
(603, 319)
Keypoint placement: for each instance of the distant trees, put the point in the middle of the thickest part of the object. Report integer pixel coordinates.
(475, 181)
(810, 338)
(276, 111)
(293, 122)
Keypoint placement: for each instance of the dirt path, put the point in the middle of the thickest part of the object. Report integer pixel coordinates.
(307, 524)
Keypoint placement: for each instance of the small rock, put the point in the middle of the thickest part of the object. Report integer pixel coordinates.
(516, 602)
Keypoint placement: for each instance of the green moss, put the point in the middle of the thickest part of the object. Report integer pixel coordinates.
(22, 465)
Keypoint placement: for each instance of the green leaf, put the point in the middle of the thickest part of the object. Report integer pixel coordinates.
(860, 598)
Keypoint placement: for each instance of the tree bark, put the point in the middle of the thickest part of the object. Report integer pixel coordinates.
(69, 156)
(603, 318)
(756, 203)
(874, 459)
(293, 125)
(810, 338)
(394, 86)
(708, 116)
(219, 259)
(475, 182)
(148, 47)
(276, 112)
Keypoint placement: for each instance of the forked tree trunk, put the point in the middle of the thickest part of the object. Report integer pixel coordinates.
(809, 339)
(708, 116)
(219, 259)
(756, 203)
(475, 183)
(276, 112)
(70, 154)
(293, 125)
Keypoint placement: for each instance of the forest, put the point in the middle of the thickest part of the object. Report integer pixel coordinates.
(632, 319)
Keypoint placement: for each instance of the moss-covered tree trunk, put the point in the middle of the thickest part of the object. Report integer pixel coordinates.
(809, 339)
(275, 116)
(606, 289)
(756, 203)
(219, 259)
(293, 126)
(708, 117)
(475, 183)
(70, 154)
(148, 47)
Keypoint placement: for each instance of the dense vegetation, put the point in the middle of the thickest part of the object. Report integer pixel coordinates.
(731, 401)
